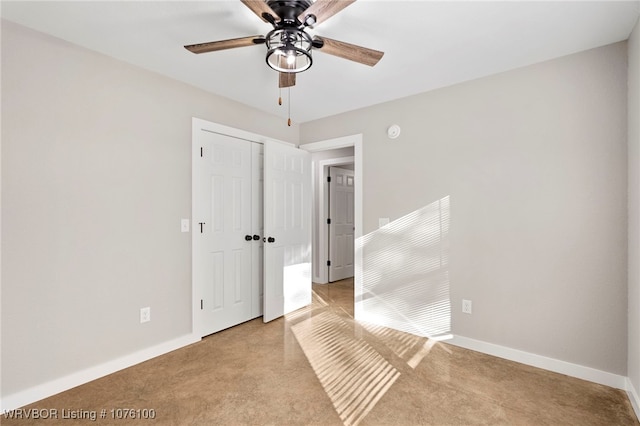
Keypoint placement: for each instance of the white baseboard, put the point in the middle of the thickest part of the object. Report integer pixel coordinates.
(551, 364)
(45, 390)
(634, 397)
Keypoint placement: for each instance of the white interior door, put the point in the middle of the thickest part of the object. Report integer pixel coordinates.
(287, 229)
(225, 263)
(341, 228)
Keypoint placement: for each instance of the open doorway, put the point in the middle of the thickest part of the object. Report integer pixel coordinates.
(322, 163)
(345, 151)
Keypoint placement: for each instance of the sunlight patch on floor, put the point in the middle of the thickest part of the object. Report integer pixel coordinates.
(402, 344)
(353, 374)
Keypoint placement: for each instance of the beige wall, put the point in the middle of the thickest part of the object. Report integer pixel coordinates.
(634, 209)
(534, 162)
(96, 175)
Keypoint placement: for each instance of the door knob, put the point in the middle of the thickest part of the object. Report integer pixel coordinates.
(271, 240)
(256, 237)
(248, 237)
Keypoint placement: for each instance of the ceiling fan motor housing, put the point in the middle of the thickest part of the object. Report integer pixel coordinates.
(289, 10)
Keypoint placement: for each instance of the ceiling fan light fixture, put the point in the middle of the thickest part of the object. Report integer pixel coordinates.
(289, 50)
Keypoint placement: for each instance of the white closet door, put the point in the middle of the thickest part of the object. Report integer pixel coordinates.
(223, 241)
(287, 229)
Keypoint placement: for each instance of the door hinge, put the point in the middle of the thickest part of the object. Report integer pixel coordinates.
(201, 152)
(329, 221)
(329, 179)
(201, 304)
(328, 263)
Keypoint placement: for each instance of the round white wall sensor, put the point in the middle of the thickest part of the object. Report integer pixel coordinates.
(393, 131)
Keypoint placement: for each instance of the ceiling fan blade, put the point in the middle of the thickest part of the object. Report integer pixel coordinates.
(212, 46)
(260, 7)
(349, 51)
(287, 79)
(323, 10)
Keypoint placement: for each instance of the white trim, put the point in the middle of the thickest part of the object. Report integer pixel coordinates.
(341, 142)
(357, 236)
(551, 364)
(323, 198)
(208, 126)
(45, 390)
(634, 397)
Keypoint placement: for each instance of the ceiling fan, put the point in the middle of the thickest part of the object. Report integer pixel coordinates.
(288, 45)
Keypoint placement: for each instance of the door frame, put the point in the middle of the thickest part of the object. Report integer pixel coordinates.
(354, 141)
(198, 125)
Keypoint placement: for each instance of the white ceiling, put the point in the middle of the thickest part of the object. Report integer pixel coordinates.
(427, 44)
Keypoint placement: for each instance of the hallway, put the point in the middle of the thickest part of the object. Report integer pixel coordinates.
(318, 366)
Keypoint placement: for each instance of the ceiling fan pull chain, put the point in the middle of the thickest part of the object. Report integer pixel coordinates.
(289, 106)
(279, 96)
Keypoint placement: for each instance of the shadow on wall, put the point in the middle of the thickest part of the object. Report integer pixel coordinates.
(405, 273)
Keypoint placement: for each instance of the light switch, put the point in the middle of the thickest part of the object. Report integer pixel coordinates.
(382, 221)
(184, 225)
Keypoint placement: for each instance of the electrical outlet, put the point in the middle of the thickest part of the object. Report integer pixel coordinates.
(184, 225)
(145, 314)
(466, 306)
(383, 221)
